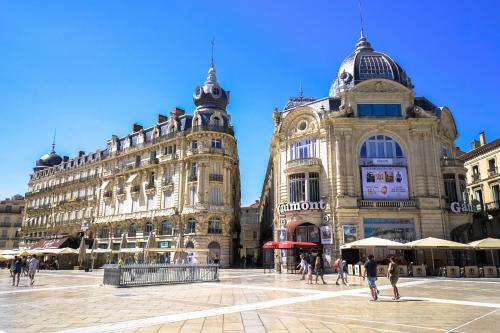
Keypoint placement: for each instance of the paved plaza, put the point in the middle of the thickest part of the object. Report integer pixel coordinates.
(246, 301)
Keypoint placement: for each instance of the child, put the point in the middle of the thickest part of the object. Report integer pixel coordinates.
(309, 274)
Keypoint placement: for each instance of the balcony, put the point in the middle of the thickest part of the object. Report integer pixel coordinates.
(108, 194)
(150, 188)
(452, 162)
(476, 177)
(384, 204)
(193, 178)
(492, 171)
(135, 189)
(211, 128)
(309, 164)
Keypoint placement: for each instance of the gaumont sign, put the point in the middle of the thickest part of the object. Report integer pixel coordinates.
(306, 205)
(457, 207)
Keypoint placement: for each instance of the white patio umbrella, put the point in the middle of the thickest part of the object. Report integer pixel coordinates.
(82, 252)
(432, 244)
(372, 242)
(487, 244)
(150, 244)
(93, 253)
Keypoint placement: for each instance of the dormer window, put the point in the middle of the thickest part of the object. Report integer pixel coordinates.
(379, 110)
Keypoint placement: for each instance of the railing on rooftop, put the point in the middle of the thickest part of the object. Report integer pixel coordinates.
(387, 204)
(155, 274)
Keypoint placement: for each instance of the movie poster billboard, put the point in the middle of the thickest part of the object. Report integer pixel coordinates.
(326, 234)
(350, 233)
(384, 183)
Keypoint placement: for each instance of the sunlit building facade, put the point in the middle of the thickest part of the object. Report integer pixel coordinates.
(370, 159)
(178, 180)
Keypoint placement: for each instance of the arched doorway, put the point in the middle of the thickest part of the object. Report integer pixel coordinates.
(214, 253)
(190, 259)
(306, 232)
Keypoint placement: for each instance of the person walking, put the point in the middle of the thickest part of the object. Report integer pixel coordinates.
(319, 268)
(393, 276)
(340, 271)
(32, 267)
(344, 273)
(18, 266)
(371, 274)
(302, 266)
(309, 274)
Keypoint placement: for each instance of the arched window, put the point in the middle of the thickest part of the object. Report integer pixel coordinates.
(104, 232)
(381, 146)
(132, 230)
(191, 226)
(118, 231)
(148, 227)
(215, 226)
(166, 228)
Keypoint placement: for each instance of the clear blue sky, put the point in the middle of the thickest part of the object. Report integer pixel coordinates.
(92, 68)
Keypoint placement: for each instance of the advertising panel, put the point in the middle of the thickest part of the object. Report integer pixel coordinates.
(326, 234)
(384, 183)
(350, 233)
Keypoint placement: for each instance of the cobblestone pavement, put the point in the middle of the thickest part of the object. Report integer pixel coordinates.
(246, 301)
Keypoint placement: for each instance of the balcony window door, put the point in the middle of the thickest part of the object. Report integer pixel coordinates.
(304, 187)
(167, 199)
(303, 149)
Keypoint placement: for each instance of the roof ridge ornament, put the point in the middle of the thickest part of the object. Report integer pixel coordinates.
(212, 77)
(363, 44)
(54, 142)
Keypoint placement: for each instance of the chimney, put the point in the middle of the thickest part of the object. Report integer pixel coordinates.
(161, 119)
(177, 111)
(136, 127)
(482, 139)
(65, 158)
(81, 153)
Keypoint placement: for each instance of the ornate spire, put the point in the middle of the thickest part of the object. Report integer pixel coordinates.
(363, 44)
(212, 78)
(54, 142)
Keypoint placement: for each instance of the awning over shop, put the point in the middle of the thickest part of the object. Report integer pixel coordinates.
(5, 257)
(131, 178)
(289, 245)
(44, 244)
(372, 242)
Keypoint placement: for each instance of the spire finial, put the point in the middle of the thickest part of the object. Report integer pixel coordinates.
(361, 19)
(54, 141)
(301, 90)
(213, 45)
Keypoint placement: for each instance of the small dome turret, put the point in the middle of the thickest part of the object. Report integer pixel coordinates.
(48, 160)
(211, 95)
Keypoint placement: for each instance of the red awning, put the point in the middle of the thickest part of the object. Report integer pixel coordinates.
(271, 245)
(289, 245)
(44, 244)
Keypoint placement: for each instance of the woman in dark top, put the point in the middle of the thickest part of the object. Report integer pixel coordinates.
(319, 268)
(16, 271)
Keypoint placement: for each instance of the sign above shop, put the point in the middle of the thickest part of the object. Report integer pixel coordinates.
(463, 207)
(297, 206)
(382, 161)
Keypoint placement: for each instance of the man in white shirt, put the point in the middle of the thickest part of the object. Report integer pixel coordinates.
(32, 266)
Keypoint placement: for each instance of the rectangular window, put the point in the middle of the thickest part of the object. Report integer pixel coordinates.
(216, 196)
(119, 207)
(214, 227)
(151, 202)
(450, 188)
(297, 187)
(194, 144)
(216, 143)
(303, 149)
(193, 195)
(314, 187)
(379, 110)
(167, 200)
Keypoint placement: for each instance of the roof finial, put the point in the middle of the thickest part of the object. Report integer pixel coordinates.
(301, 90)
(54, 141)
(361, 19)
(213, 45)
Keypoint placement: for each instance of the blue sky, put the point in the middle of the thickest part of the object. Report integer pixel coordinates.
(92, 68)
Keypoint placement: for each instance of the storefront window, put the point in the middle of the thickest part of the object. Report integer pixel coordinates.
(306, 233)
(399, 230)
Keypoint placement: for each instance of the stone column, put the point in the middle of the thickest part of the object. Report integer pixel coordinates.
(349, 165)
(186, 185)
(340, 168)
(225, 179)
(430, 171)
(201, 182)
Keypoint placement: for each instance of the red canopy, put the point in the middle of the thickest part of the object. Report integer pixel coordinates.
(289, 245)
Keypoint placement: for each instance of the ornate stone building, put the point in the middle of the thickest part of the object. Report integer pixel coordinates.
(483, 188)
(370, 159)
(11, 216)
(178, 179)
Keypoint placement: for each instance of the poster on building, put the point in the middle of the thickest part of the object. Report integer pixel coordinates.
(350, 233)
(281, 235)
(326, 234)
(384, 183)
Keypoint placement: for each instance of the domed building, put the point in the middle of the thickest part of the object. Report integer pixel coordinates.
(174, 184)
(370, 159)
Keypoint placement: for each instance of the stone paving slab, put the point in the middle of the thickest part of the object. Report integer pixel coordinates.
(246, 301)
